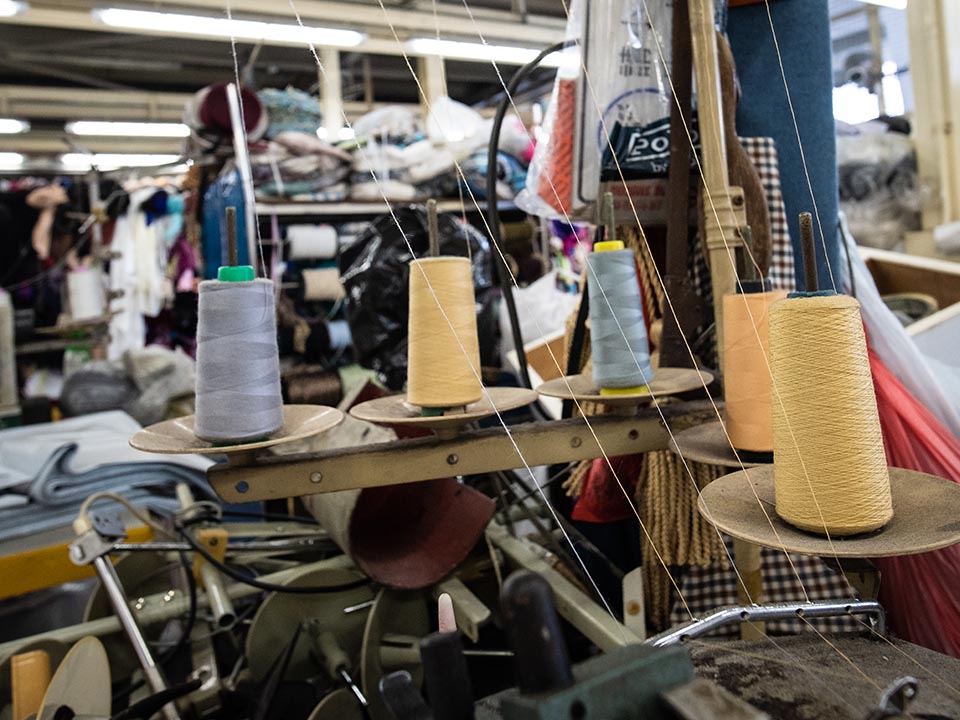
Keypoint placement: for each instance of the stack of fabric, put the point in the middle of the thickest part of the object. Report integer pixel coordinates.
(404, 160)
(47, 471)
(300, 166)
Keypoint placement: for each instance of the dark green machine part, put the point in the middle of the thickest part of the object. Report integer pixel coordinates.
(622, 685)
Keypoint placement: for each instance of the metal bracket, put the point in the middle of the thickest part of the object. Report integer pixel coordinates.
(249, 476)
(896, 699)
(752, 613)
(90, 546)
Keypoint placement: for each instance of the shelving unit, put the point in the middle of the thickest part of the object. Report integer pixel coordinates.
(346, 209)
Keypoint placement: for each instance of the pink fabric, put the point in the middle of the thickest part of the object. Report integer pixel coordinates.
(920, 592)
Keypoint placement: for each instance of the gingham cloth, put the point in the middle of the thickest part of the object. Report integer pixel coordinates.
(706, 589)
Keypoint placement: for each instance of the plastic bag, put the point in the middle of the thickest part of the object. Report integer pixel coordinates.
(627, 100)
(935, 385)
(552, 178)
(374, 271)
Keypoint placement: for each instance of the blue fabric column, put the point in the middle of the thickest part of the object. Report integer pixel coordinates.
(803, 30)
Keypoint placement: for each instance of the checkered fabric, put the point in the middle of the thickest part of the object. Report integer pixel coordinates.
(763, 155)
(706, 589)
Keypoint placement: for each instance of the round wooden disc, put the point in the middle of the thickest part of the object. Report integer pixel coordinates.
(175, 437)
(277, 619)
(666, 381)
(926, 516)
(395, 410)
(397, 619)
(339, 705)
(708, 444)
(82, 682)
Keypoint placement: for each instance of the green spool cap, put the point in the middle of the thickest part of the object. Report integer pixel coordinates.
(236, 273)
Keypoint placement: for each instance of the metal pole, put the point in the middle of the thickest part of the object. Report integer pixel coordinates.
(242, 158)
(111, 583)
(220, 603)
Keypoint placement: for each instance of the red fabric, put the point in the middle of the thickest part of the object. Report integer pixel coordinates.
(601, 497)
(920, 592)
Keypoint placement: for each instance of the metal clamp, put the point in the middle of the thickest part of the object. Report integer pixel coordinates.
(760, 613)
(896, 699)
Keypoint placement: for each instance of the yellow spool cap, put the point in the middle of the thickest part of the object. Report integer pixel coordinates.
(639, 390)
(607, 245)
(443, 363)
(830, 469)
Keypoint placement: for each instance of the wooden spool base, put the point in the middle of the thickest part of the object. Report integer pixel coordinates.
(926, 516)
(175, 437)
(666, 381)
(708, 444)
(395, 410)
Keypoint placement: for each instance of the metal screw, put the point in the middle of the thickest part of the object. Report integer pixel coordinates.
(453, 459)
(634, 434)
(242, 486)
(633, 608)
(316, 477)
(575, 442)
(737, 200)
(213, 541)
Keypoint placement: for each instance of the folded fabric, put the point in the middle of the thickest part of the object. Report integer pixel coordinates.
(299, 143)
(101, 438)
(290, 109)
(393, 190)
(56, 484)
(52, 498)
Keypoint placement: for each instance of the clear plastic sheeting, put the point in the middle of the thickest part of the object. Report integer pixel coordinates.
(935, 385)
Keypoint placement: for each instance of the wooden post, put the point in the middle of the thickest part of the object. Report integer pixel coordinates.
(433, 80)
(331, 93)
(721, 237)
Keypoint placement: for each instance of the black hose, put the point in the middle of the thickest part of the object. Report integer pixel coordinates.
(493, 212)
(260, 584)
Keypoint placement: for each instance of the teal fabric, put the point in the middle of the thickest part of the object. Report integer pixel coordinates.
(803, 30)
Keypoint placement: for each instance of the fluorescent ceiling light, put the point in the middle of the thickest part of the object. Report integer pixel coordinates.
(478, 51)
(12, 126)
(127, 129)
(895, 4)
(9, 8)
(10, 160)
(113, 161)
(178, 24)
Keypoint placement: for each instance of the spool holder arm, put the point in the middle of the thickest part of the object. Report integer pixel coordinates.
(254, 476)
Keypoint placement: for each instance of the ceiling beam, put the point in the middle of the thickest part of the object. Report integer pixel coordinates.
(408, 23)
